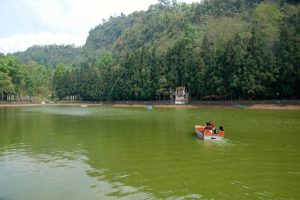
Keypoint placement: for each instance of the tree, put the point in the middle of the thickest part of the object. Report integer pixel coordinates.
(288, 54)
(6, 86)
(59, 81)
(267, 18)
(235, 69)
(262, 71)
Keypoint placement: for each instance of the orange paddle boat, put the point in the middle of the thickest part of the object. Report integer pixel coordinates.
(209, 134)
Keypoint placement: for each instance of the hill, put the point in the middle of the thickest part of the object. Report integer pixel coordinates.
(50, 55)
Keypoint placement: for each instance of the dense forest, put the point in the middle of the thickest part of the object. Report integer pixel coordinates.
(235, 49)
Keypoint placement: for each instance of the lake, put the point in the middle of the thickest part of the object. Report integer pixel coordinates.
(69, 152)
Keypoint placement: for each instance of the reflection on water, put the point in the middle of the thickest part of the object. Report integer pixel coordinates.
(60, 111)
(131, 153)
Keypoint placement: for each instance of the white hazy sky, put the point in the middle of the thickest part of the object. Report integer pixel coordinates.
(24, 23)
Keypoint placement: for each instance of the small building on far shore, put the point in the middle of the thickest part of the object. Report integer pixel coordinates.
(181, 95)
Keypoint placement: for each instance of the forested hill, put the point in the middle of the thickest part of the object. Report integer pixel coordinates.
(166, 23)
(50, 55)
(226, 49)
(162, 25)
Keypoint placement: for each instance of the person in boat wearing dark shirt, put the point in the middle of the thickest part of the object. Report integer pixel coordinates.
(221, 128)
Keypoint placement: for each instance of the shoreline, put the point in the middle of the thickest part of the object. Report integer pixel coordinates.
(157, 105)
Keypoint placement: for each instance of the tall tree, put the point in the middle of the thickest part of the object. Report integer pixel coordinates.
(6, 86)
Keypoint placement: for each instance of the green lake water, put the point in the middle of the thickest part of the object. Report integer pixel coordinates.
(70, 153)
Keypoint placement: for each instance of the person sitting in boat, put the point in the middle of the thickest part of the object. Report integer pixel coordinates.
(210, 126)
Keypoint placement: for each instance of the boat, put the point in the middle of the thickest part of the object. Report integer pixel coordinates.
(83, 106)
(207, 134)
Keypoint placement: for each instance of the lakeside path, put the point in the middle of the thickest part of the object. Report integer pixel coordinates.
(252, 107)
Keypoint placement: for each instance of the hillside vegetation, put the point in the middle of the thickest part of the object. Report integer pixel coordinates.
(233, 49)
(50, 55)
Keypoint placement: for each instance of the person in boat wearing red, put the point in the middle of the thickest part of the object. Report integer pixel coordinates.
(210, 126)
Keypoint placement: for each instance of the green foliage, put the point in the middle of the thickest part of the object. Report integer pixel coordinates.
(6, 86)
(60, 81)
(288, 54)
(50, 55)
(21, 82)
(267, 19)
